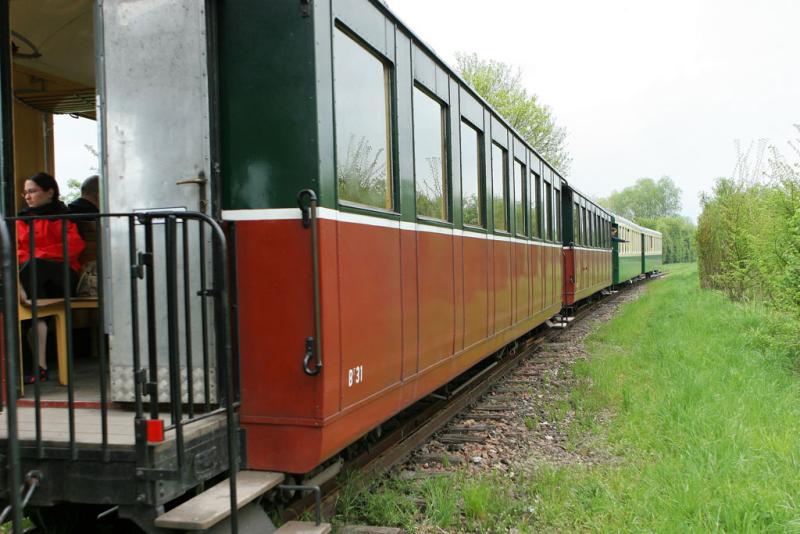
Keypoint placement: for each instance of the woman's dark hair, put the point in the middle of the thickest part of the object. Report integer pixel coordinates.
(46, 182)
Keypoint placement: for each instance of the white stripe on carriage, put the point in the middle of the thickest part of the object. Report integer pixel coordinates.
(280, 214)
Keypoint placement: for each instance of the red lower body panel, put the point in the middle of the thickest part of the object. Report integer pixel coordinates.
(586, 271)
(403, 312)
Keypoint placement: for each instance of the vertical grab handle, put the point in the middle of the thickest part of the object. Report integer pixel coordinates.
(307, 202)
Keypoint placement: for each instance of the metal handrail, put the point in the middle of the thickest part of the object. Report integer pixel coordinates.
(10, 322)
(141, 268)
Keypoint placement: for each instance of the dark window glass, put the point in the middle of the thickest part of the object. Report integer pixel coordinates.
(584, 227)
(536, 205)
(430, 170)
(471, 190)
(499, 188)
(558, 215)
(576, 224)
(548, 203)
(363, 132)
(588, 226)
(519, 198)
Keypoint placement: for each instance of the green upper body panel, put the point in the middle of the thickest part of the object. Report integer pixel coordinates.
(267, 89)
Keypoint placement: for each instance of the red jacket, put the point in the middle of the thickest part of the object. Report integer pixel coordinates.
(48, 241)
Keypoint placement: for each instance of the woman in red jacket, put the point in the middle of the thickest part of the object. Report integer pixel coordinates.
(41, 195)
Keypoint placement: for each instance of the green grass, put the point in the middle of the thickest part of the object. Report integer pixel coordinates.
(707, 419)
(690, 402)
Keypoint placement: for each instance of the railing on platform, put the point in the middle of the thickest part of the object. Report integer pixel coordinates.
(180, 269)
(13, 469)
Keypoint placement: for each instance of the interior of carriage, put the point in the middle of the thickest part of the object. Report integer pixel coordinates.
(53, 87)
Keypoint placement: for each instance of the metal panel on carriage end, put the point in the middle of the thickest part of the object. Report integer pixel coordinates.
(156, 121)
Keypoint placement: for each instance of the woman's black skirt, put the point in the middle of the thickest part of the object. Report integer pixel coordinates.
(49, 279)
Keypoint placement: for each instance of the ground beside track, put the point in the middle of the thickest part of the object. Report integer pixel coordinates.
(679, 415)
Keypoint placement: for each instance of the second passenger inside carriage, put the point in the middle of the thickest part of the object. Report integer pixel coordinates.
(41, 195)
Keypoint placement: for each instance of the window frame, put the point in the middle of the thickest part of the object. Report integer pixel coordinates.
(536, 201)
(389, 81)
(522, 203)
(447, 188)
(506, 196)
(479, 138)
(547, 215)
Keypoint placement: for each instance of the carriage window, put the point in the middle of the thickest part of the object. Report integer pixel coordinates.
(471, 190)
(363, 125)
(576, 223)
(430, 170)
(519, 198)
(536, 205)
(548, 202)
(588, 217)
(499, 188)
(558, 215)
(596, 230)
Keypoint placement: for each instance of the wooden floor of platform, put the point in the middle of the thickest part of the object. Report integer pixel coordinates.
(86, 395)
(55, 426)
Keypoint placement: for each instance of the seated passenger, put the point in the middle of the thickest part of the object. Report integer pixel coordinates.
(88, 202)
(42, 196)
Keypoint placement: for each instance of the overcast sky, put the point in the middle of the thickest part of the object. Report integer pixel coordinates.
(643, 88)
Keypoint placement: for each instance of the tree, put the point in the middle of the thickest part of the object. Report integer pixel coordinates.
(647, 199)
(656, 204)
(678, 237)
(502, 87)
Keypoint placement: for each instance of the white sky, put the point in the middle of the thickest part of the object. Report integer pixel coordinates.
(643, 88)
(72, 159)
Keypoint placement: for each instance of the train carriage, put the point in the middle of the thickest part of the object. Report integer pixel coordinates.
(587, 246)
(651, 251)
(628, 256)
(438, 229)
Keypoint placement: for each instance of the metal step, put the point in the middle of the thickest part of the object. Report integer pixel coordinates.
(304, 527)
(214, 505)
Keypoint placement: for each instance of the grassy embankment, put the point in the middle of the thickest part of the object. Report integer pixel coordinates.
(704, 404)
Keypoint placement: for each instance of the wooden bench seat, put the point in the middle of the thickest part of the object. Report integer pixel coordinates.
(55, 308)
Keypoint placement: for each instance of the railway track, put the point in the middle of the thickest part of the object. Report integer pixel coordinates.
(416, 425)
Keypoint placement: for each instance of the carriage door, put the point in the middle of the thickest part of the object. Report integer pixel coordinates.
(154, 112)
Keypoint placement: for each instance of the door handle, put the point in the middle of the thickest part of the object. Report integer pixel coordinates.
(200, 181)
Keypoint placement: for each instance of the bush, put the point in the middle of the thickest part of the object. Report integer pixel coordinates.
(748, 236)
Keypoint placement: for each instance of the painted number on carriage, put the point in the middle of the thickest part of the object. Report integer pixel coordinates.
(355, 375)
